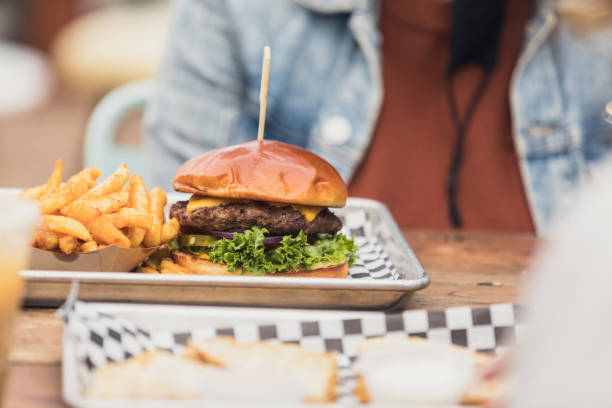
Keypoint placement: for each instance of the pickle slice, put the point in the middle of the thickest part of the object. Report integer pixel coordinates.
(188, 240)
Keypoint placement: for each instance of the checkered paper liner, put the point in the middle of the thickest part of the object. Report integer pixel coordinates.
(100, 338)
(372, 260)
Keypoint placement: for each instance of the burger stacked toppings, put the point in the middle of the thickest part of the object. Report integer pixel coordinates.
(261, 208)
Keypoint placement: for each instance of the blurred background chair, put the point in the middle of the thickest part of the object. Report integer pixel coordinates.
(101, 148)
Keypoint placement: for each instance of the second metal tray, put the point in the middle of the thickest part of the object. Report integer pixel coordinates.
(490, 329)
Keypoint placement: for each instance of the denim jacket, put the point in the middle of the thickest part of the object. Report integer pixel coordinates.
(326, 89)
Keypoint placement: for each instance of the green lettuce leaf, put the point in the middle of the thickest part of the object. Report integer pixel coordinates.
(247, 251)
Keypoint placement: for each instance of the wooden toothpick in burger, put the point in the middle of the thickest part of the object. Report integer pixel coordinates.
(263, 92)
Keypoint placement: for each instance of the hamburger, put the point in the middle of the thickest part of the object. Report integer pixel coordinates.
(261, 208)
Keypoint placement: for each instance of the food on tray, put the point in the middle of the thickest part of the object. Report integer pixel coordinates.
(159, 374)
(83, 216)
(261, 207)
(411, 370)
(161, 262)
(315, 372)
(222, 369)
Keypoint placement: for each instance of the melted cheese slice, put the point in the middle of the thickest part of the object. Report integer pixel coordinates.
(308, 211)
(195, 202)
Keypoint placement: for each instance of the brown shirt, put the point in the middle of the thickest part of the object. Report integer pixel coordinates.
(408, 161)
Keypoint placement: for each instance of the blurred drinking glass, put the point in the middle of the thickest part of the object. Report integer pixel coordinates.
(18, 220)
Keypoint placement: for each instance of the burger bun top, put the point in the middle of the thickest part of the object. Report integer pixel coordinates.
(265, 171)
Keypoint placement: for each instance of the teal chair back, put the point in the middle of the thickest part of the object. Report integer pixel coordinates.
(101, 150)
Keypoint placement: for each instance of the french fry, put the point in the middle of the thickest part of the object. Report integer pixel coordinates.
(69, 192)
(102, 230)
(170, 230)
(154, 260)
(89, 174)
(68, 244)
(146, 269)
(110, 184)
(158, 201)
(129, 217)
(52, 185)
(55, 180)
(46, 240)
(169, 267)
(33, 193)
(139, 200)
(66, 225)
(81, 215)
(136, 236)
(87, 210)
(88, 246)
(152, 263)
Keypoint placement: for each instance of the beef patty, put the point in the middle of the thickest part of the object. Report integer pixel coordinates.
(244, 215)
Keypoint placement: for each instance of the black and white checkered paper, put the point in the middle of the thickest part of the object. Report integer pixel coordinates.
(101, 338)
(372, 260)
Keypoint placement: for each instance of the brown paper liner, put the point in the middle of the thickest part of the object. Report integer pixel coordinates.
(108, 259)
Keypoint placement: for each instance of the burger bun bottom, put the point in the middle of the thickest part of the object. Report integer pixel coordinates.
(199, 266)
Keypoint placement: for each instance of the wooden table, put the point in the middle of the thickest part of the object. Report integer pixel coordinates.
(465, 269)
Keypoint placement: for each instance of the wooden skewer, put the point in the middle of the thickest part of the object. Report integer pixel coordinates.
(263, 92)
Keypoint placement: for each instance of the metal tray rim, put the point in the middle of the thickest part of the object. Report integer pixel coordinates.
(225, 281)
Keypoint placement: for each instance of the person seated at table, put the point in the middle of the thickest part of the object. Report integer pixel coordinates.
(563, 357)
(472, 114)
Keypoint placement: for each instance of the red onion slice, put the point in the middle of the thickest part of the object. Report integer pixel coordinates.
(221, 234)
(274, 239)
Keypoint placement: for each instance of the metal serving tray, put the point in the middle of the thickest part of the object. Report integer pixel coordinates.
(50, 288)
